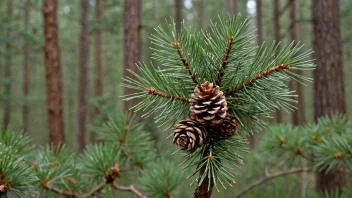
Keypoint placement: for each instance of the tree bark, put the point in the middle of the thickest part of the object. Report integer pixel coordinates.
(231, 6)
(298, 114)
(53, 73)
(98, 63)
(259, 22)
(132, 42)
(26, 72)
(329, 93)
(8, 48)
(202, 190)
(278, 113)
(83, 78)
(178, 7)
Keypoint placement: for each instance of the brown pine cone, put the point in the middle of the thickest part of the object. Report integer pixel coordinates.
(208, 104)
(189, 135)
(226, 129)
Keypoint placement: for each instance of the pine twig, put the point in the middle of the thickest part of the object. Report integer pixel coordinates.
(269, 177)
(224, 61)
(130, 188)
(152, 91)
(57, 191)
(263, 74)
(184, 61)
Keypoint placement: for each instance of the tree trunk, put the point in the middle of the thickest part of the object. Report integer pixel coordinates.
(202, 13)
(26, 72)
(53, 73)
(178, 7)
(98, 63)
(202, 190)
(298, 114)
(259, 22)
(7, 102)
(278, 113)
(231, 6)
(329, 93)
(132, 42)
(83, 67)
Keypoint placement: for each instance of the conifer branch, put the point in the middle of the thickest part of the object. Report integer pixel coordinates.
(152, 91)
(130, 188)
(57, 191)
(224, 61)
(184, 61)
(269, 177)
(263, 74)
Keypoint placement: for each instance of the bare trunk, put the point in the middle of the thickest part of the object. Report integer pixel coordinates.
(298, 114)
(83, 67)
(132, 42)
(202, 13)
(178, 7)
(7, 102)
(259, 22)
(278, 113)
(98, 63)
(53, 73)
(329, 93)
(231, 6)
(26, 72)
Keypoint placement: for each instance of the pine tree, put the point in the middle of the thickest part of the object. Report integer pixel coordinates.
(212, 83)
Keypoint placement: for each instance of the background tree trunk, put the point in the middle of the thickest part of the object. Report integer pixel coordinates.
(53, 73)
(298, 114)
(83, 67)
(26, 72)
(202, 14)
(231, 6)
(278, 113)
(179, 17)
(98, 62)
(7, 103)
(329, 93)
(132, 42)
(259, 22)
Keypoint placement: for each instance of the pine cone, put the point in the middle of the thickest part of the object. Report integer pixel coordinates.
(208, 105)
(189, 135)
(226, 129)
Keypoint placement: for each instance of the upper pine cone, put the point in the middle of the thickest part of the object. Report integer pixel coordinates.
(208, 104)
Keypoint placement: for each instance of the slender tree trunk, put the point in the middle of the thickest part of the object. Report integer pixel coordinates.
(278, 113)
(231, 6)
(98, 63)
(83, 67)
(202, 13)
(202, 190)
(53, 73)
(259, 22)
(7, 103)
(179, 17)
(329, 93)
(298, 114)
(26, 72)
(132, 41)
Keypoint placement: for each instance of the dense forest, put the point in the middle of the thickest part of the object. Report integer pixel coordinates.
(62, 64)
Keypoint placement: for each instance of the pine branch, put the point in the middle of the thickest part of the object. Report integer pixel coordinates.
(263, 74)
(152, 91)
(57, 191)
(269, 177)
(224, 61)
(184, 61)
(130, 188)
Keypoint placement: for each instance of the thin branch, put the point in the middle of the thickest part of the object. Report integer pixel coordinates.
(130, 188)
(269, 177)
(184, 61)
(263, 74)
(57, 191)
(152, 91)
(224, 61)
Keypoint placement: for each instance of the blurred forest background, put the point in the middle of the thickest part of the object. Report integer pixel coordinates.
(99, 39)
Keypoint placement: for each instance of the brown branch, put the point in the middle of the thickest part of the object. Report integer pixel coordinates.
(57, 191)
(224, 61)
(263, 74)
(130, 188)
(152, 91)
(184, 61)
(269, 177)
